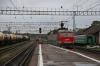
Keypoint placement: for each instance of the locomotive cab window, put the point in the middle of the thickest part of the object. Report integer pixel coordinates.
(64, 34)
(69, 34)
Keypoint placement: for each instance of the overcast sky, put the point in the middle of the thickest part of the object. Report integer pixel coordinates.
(81, 21)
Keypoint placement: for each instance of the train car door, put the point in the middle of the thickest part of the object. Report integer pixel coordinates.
(90, 40)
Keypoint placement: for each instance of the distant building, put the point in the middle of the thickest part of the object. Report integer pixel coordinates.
(37, 35)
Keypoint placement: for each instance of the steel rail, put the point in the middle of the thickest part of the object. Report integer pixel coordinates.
(6, 50)
(89, 50)
(20, 58)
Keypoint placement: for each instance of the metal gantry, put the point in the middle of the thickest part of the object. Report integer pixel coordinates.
(30, 23)
(29, 26)
(47, 11)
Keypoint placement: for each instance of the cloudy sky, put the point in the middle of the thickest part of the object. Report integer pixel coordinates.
(70, 5)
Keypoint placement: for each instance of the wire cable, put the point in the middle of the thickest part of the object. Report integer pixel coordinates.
(22, 3)
(92, 4)
(84, 2)
(17, 9)
(93, 7)
(74, 4)
(71, 7)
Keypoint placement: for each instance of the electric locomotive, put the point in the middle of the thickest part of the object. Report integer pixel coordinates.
(61, 37)
(37, 39)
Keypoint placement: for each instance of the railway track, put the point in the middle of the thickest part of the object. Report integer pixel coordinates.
(89, 50)
(6, 50)
(20, 59)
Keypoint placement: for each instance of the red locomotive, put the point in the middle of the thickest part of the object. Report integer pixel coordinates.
(37, 39)
(61, 37)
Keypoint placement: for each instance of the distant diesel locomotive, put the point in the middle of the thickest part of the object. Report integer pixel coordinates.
(6, 39)
(83, 40)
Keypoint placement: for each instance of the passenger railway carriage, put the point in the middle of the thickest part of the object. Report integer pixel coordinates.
(61, 37)
(82, 40)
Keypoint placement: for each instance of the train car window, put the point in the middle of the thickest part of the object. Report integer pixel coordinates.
(69, 34)
(64, 34)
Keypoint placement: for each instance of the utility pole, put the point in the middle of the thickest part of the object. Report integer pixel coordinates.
(74, 13)
(8, 27)
(74, 24)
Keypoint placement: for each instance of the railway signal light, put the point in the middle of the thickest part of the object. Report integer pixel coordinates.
(39, 30)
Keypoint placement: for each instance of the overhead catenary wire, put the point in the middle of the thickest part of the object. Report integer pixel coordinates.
(91, 4)
(93, 7)
(23, 7)
(16, 3)
(22, 3)
(88, 6)
(71, 7)
(74, 4)
(84, 2)
(21, 15)
(80, 5)
(17, 9)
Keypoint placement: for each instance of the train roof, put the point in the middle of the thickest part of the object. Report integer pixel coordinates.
(65, 31)
(55, 31)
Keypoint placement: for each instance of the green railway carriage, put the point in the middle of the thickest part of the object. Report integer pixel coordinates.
(84, 40)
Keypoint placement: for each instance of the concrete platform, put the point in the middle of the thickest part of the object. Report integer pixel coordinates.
(54, 56)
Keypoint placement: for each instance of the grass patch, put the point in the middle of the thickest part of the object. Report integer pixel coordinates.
(4, 47)
(3, 57)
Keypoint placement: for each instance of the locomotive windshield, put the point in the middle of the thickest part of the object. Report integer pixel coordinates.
(64, 31)
(64, 34)
(69, 34)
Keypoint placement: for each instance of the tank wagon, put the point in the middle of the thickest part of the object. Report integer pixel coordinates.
(83, 40)
(61, 37)
(6, 39)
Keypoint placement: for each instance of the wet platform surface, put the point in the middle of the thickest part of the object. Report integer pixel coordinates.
(57, 57)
